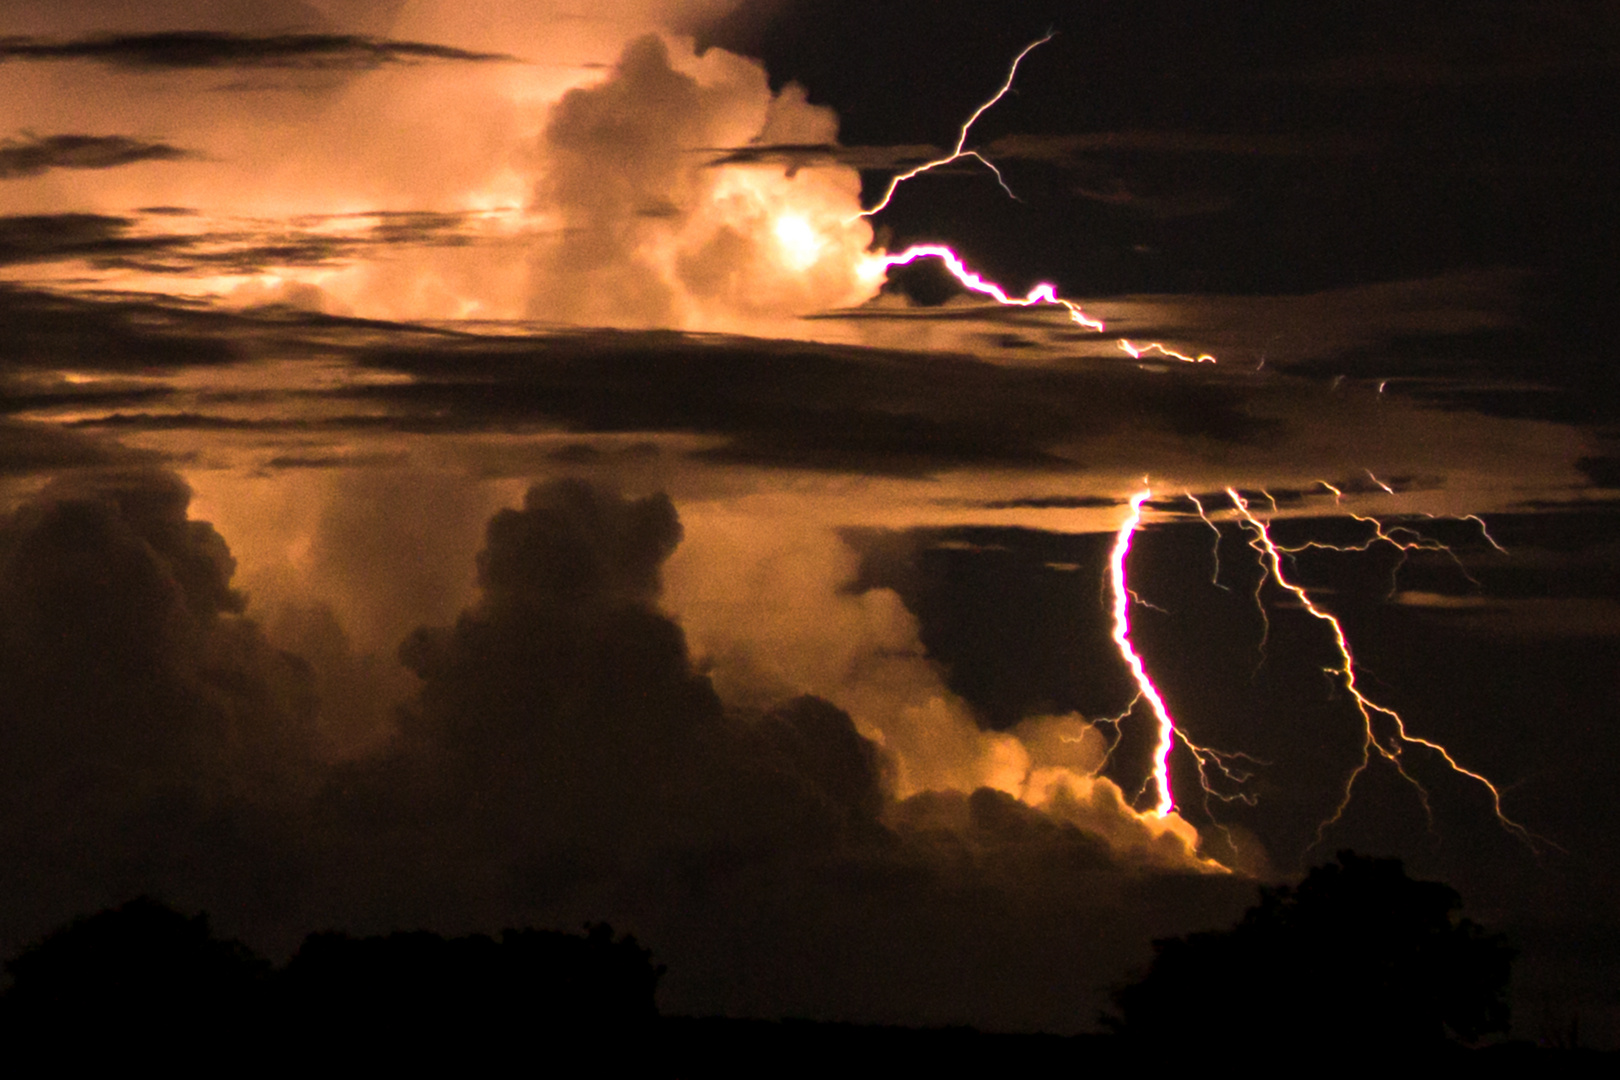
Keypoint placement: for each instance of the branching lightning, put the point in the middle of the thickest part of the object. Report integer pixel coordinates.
(1043, 293)
(1114, 722)
(1389, 746)
(1215, 551)
(1209, 759)
(1385, 732)
(960, 151)
(1136, 598)
(1399, 537)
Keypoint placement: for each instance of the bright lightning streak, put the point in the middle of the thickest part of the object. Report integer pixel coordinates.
(1041, 294)
(1271, 555)
(960, 151)
(1044, 293)
(1122, 638)
(1139, 351)
(1484, 531)
(1209, 759)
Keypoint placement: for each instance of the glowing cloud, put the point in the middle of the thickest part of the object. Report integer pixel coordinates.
(652, 235)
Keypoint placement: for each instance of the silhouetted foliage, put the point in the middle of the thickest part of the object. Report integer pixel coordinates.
(143, 978)
(141, 970)
(1357, 956)
(421, 986)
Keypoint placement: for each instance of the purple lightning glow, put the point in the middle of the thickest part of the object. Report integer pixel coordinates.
(1041, 294)
(1122, 639)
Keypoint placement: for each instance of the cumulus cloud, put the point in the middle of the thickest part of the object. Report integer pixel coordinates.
(146, 730)
(561, 758)
(776, 607)
(574, 697)
(654, 236)
(574, 196)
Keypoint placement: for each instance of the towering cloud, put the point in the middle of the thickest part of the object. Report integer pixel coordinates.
(572, 700)
(149, 737)
(654, 235)
(562, 758)
(579, 155)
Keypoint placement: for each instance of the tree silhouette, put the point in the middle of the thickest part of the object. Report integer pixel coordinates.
(420, 985)
(135, 975)
(1357, 956)
(145, 982)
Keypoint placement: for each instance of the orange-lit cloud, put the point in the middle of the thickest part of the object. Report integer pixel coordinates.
(572, 161)
(652, 235)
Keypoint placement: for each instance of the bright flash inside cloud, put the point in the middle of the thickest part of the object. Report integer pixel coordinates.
(800, 244)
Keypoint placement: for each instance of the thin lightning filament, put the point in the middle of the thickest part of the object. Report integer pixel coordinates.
(1345, 671)
(960, 151)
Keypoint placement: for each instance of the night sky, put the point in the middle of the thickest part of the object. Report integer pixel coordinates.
(463, 465)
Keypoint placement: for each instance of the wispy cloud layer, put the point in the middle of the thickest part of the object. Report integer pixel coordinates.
(32, 155)
(200, 49)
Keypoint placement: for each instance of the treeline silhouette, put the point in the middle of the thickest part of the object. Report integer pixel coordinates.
(144, 976)
(1357, 959)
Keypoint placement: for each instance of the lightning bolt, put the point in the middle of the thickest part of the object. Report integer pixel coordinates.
(1043, 293)
(1210, 761)
(1122, 640)
(1399, 537)
(1139, 351)
(960, 151)
(1390, 747)
(1391, 742)
(1374, 476)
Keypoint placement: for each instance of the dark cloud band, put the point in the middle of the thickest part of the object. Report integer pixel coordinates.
(34, 155)
(196, 49)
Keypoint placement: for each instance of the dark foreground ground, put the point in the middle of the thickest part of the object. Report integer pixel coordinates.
(710, 1046)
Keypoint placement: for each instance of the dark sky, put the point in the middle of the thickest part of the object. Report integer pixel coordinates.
(460, 468)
